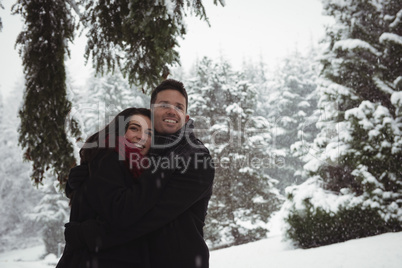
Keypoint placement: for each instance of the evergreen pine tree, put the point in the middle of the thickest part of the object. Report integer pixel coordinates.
(48, 26)
(364, 63)
(256, 73)
(52, 212)
(139, 37)
(289, 104)
(358, 150)
(244, 197)
(103, 98)
(17, 196)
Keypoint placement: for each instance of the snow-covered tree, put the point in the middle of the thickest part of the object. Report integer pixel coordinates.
(139, 38)
(358, 152)
(43, 45)
(27, 213)
(102, 99)
(256, 73)
(52, 212)
(17, 194)
(222, 104)
(289, 103)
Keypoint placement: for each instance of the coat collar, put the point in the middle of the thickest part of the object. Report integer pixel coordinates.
(162, 144)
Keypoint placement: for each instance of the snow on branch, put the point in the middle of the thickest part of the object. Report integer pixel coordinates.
(383, 86)
(354, 44)
(397, 20)
(396, 98)
(391, 37)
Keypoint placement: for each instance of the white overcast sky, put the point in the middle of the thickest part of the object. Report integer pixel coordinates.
(240, 30)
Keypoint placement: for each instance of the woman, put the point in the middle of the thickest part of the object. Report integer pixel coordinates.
(116, 150)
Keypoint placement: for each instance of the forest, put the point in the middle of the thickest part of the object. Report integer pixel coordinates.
(318, 137)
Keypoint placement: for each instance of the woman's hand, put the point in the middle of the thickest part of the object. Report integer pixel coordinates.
(74, 236)
(76, 178)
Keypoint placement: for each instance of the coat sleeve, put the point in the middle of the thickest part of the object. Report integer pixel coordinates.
(154, 201)
(182, 191)
(117, 204)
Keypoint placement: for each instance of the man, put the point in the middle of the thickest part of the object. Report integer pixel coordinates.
(167, 207)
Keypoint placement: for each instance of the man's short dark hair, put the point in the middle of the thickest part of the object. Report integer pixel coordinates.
(170, 84)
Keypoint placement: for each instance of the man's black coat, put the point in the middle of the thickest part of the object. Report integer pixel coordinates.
(164, 211)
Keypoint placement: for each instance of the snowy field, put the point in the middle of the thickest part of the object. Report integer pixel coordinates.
(379, 251)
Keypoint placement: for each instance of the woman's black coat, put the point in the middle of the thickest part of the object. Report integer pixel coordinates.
(165, 210)
(127, 255)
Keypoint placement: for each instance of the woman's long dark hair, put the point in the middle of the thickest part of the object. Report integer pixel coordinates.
(117, 127)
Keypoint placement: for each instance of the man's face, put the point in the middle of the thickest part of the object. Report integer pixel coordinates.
(169, 111)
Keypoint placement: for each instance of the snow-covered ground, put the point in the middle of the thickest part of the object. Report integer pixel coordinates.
(379, 251)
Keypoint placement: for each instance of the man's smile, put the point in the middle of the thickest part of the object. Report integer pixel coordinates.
(171, 121)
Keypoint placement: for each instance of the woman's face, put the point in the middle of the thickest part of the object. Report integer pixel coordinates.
(139, 132)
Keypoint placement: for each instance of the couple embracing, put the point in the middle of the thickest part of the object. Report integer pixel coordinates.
(139, 197)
